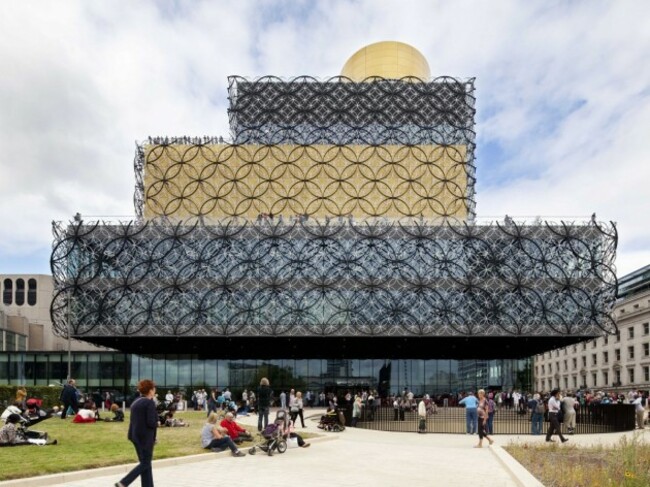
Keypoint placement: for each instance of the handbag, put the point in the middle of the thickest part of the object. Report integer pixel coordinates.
(560, 415)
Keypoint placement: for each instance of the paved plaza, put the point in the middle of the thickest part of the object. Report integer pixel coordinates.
(355, 457)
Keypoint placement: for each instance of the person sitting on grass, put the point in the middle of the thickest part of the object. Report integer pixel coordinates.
(169, 421)
(118, 414)
(215, 438)
(9, 434)
(292, 434)
(242, 410)
(236, 432)
(11, 409)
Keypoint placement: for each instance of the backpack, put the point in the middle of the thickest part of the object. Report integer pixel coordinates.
(540, 408)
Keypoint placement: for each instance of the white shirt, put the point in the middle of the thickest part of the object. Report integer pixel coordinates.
(638, 404)
(422, 410)
(554, 405)
(10, 410)
(86, 413)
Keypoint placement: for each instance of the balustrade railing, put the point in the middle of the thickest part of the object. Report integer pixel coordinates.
(590, 419)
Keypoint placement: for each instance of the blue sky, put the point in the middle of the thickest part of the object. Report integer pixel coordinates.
(563, 97)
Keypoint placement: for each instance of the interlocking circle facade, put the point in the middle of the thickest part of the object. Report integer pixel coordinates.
(340, 209)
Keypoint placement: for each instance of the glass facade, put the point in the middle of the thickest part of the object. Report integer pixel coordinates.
(11, 342)
(120, 371)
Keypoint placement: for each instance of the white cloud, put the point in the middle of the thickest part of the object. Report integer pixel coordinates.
(561, 86)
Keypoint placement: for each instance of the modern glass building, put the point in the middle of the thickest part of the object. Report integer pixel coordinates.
(120, 372)
(335, 237)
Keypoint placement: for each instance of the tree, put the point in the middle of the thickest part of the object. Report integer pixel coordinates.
(280, 378)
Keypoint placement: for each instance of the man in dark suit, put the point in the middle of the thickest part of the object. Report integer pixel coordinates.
(142, 433)
(69, 398)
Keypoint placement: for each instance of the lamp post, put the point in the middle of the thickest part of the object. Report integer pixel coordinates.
(78, 220)
(69, 338)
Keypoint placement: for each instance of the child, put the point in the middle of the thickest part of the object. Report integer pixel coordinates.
(118, 414)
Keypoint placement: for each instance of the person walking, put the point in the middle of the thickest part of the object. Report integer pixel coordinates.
(396, 403)
(639, 410)
(554, 405)
(292, 395)
(422, 415)
(356, 411)
(70, 398)
(212, 402)
(538, 409)
(142, 433)
(491, 410)
(297, 409)
(263, 404)
(482, 412)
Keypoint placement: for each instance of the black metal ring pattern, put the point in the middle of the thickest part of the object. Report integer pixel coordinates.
(340, 111)
(336, 277)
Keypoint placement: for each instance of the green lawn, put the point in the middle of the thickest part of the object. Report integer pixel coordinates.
(101, 444)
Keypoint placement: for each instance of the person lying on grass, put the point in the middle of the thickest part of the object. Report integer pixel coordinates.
(85, 415)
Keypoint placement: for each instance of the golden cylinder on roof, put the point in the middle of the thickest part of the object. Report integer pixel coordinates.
(387, 59)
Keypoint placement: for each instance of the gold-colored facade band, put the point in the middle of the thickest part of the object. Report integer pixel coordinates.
(359, 181)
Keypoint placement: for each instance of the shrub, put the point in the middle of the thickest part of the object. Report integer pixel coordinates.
(49, 394)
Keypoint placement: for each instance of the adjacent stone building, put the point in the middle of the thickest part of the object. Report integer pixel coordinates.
(619, 362)
(25, 321)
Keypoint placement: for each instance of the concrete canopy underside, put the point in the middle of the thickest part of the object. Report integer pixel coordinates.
(459, 348)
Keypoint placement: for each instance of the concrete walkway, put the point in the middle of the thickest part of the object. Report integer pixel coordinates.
(355, 457)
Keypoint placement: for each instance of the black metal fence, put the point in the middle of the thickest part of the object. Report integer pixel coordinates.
(595, 418)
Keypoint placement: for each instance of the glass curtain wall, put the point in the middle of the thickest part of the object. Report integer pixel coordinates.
(119, 371)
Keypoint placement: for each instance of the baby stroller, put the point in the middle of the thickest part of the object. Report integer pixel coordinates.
(34, 414)
(333, 420)
(26, 437)
(274, 435)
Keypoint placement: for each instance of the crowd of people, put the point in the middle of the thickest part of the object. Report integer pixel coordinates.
(553, 406)
(246, 402)
(222, 431)
(542, 407)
